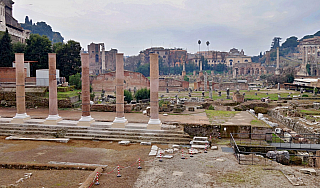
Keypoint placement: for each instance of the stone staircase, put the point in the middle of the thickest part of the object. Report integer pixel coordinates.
(96, 133)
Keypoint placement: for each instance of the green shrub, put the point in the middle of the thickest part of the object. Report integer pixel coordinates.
(305, 95)
(260, 110)
(142, 94)
(128, 96)
(211, 107)
(75, 80)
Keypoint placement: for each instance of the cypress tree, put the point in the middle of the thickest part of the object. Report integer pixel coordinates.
(6, 51)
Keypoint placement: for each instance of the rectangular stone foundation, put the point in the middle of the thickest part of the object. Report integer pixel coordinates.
(85, 123)
(52, 122)
(154, 126)
(19, 120)
(119, 125)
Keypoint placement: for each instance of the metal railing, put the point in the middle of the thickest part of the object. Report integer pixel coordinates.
(252, 148)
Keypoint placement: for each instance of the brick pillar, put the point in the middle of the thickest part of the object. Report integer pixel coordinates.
(53, 117)
(86, 118)
(154, 122)
(119, 121)
(21, 114)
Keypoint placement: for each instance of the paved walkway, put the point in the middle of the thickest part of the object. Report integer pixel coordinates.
(198, 117)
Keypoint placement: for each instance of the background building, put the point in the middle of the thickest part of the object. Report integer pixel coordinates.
(18, 34)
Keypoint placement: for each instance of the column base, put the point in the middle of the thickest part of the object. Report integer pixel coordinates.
(154, 124)
(85, 121)
(20, 118)
(52, 120)
(119, 122)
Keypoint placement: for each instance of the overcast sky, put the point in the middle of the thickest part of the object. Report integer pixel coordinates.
(133, 25)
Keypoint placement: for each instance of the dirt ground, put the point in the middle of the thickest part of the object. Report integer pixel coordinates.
(214, 169)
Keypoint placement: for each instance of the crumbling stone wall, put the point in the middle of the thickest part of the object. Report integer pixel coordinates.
(292, 123)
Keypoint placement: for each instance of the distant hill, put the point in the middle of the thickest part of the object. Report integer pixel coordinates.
(42, 28)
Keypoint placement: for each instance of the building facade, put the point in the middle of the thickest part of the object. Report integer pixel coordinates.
(18, 34)
(309, 52)
(235, 57)
(101, 61)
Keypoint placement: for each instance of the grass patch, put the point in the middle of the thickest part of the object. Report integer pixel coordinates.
(65, 95)
(310, 112)
(258, 123)
(220, 113)
(276, 139)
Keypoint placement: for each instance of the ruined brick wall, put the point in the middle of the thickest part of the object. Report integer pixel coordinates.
(8, 74)
(238, 98)
(172, 84)
(231, 86)
(200, 85)
(107, 81)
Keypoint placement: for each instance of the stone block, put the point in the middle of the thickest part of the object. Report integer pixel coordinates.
(214, 147)
(310, 171)
(124, 142)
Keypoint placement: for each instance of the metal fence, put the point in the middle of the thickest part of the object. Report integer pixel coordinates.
(254, 151)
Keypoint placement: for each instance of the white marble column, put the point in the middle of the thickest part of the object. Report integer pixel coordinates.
(154, 122)
(21, 114)
(120, 121)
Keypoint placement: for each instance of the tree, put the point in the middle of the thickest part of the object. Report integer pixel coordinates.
(208, 43)
(275, 42)
(19, 47)
(185, 78)
(37, 49)
(6, 51)
(75, 80)
(317, 33)
(127, 96)
(290, 42)
(68, 57)
(144, 69)
(143, 93)
(290, 78)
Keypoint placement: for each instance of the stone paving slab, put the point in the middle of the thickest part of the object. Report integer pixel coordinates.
(5, 120)
(35, 121)
(136, 126)
(102, 124)
(67, 122)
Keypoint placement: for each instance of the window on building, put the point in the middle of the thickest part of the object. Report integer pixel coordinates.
(97, 58)
(318, 53)
(157, 52)
(196, 61)
(164, 56)
(246, 61)
(238, 61)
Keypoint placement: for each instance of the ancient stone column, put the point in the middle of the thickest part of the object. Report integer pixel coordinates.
(119, 121)
(103, 60)
(205, 82)
(53, 117)
(183, 70)
(21, 114)
(86, 118)
(278, 62)
(154, 122)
